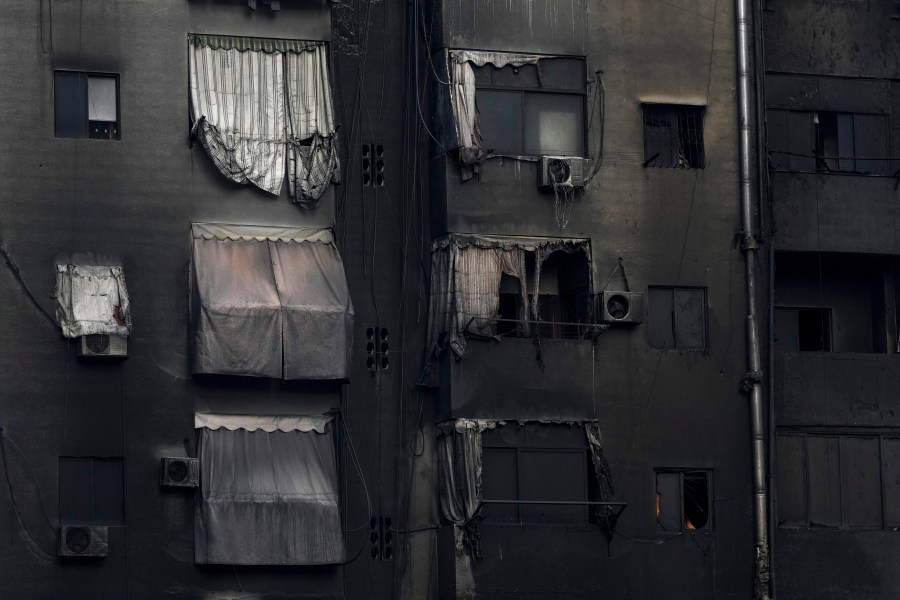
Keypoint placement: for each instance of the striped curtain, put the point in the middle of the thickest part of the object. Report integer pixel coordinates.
(238, 113)
(312, 152)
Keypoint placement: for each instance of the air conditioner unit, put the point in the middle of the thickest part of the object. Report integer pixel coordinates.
(621, 307)
(103, 346)
(83, 540)
(179, 472)
(561, 170)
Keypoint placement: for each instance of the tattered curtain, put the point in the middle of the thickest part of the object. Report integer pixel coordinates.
(92, 300)
(255, 102)
(465, 283)
(462, 99)
(268, 491)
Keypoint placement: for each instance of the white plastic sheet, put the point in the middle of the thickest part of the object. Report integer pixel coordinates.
(92, 300)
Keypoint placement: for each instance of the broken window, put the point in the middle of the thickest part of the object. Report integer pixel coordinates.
(91, 491)
(825, 141)
(838, 480)
(673, 136)
(678, 318)
(489, 286)
(268, 491)
(803, 329)
(683, 500)
(86, 105)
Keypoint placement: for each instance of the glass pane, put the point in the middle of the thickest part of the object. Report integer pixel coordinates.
(870, 144)
(690, 320)
(861, 472)
(791, 475)
(801, 142)
(500, 118)
(554, 124)
(563, 73)
(776, 131)
(845, 143)
(109, 491)
(662, 333)
(75, 491)
(786, 330)
(668, 501)
(69, 99)
(824, 481)
(500, 482)
(102, 99)
(553, 475)
(659, 136)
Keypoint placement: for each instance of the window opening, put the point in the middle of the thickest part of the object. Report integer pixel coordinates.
(673, 136)
(86, 105)
(683, 501)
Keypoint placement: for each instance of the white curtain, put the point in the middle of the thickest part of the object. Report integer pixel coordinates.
(267, 498)
(238, 114)
(92, 300)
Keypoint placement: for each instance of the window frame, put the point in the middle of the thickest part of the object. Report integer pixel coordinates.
(93, 491)
(841, 434)
(588, 512)
(679, 111)
(86, 132)
(709, 527)
(828, 329)
(673, 320)
(524, 89)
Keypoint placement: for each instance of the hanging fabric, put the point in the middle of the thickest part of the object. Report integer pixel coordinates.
(92, 300)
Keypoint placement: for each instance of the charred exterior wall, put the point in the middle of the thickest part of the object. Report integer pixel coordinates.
(670, 227)
(827, 59)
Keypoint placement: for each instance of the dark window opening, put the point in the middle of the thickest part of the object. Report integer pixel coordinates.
(851, 143)
(673, 136)
(683, 501)
(537, 462)
(86, 105)
(533, 112)
(510, 306)
(91, 491)
(803, 329)
(678, 318)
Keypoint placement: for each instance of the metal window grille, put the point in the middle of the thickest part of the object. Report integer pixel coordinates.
(673, 136)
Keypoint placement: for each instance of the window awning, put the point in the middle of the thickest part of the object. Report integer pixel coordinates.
(269, 302)
(267, 497)
(92, 300)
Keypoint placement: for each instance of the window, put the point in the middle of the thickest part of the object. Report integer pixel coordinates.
(683, 500)
(673, 136)
(91, 491)
(537, 462)
(269, 302)
(678, 318)
(803, 329)
(831, 142)
(838, 480)
(268, 491)
(533, 110)
(86, 105)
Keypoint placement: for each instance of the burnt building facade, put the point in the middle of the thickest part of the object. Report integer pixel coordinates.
(830, 95)
(368, 299)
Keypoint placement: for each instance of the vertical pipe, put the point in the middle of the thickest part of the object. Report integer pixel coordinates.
(749, 247)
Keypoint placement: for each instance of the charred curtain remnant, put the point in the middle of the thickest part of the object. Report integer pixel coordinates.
(268, 492)
(92, 300)
(462, 98)
(466, 276)
(256, 103)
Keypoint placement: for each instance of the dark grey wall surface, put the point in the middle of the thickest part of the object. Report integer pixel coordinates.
(838, 56)
(131, 202)
(656, 408)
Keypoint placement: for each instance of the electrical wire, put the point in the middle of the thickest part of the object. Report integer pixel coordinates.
(355, 460)
(14, 269)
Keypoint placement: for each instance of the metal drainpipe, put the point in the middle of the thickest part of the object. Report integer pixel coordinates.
(749, 247)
